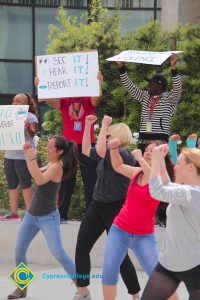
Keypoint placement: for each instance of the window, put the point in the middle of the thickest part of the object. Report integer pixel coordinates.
(44, 17)
(134, 19)
(16, 32)
(16, 78)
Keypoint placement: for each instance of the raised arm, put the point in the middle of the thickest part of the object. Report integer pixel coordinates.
(192, 140)
(53, 172)
(96, 100)
(117, 162)
(158, 167)
(137, 153)
(173, 141)
(176, 78)
(178, 194)
(102, 138)
(133, 90)
(86, 142)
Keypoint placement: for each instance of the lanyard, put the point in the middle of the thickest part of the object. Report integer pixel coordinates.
(77, 108)
(153, 103)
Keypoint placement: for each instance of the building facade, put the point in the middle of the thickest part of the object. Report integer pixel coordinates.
(179, 11)
(24, 34)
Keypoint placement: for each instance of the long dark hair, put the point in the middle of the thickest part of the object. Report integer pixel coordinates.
(32, 104)
(68, 157)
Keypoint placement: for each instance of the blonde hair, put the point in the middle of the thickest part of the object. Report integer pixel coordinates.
(192, 155)
(122, 132)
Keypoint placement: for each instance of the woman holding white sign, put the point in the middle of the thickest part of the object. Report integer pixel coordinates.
(16, 170)
(74, 111)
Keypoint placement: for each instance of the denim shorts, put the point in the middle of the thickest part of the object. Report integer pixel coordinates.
(17, 173)
(191, 277)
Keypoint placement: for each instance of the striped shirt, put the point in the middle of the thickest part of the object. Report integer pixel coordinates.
(161, 115)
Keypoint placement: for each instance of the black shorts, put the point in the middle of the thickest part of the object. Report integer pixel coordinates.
(191, 277)
(17, 173)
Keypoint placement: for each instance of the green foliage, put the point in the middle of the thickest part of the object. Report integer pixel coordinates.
(53, 122)
(4, 202)
(102, 32)
(77, 206)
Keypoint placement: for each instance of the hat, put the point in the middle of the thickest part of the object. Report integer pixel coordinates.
(160, 79)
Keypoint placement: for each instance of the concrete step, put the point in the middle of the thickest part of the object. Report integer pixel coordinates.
(38, 252)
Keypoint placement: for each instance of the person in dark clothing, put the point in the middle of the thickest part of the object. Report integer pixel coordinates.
(108, 198)
(158, 104)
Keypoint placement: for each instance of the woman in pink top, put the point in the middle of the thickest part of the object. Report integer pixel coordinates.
(133, 227)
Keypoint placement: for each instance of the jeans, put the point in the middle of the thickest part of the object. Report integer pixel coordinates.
(88, 173)
(117, 244)
(98, 218)
(50, 227)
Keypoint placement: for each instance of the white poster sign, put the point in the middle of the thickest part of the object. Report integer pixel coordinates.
(68, 75)
(143, 57)
(12, 119)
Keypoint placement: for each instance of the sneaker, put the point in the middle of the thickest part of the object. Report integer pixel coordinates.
(79, 296)
(63, 221)
(17, 294)
(10, 217)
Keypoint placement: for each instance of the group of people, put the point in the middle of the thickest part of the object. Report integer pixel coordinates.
(122, 197)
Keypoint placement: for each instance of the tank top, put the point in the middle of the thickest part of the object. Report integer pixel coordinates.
(139, 209)
(44, 199)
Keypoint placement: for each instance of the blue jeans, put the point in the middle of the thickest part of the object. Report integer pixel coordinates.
(117, 244)
(50, 227)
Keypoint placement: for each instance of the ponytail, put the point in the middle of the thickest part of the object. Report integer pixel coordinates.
(68, 157)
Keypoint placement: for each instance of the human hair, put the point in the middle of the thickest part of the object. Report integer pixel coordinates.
(31, 103)
(122, 132)
(192, 155)
(68, 157)
(168, 161)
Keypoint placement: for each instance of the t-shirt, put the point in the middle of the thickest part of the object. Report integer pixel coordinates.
(74, 112)
(110, 185)
(139, 209)
(19, 154)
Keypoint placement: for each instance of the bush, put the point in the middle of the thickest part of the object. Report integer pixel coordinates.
(78, 203)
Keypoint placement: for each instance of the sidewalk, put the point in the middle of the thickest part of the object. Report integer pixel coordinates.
(62, 289)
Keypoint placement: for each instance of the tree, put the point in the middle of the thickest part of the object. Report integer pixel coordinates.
(103, 33)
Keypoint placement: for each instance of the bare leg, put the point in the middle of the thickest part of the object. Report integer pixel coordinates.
(14, 198)
(109, 292)
(27, 194)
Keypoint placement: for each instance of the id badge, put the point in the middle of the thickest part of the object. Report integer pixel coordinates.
(77, 126)
(149, 126)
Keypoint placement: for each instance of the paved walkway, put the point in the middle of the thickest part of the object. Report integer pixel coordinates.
(62, 289)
